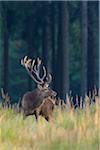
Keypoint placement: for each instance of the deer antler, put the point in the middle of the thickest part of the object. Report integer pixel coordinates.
(48, 78)
(33, 69)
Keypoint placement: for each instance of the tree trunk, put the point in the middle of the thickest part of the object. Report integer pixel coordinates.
(30, 54)
(53, 44)
(63, 50)
(84, 30)
(99, 53)
(46, 34)
(5, 46)
(0, 43)
(93, 46)
(30, 42)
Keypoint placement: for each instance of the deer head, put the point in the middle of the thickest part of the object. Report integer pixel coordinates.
(34, 68)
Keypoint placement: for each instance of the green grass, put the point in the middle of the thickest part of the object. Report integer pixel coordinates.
(70, 131)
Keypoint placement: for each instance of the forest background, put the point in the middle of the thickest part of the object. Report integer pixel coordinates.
(65, 35)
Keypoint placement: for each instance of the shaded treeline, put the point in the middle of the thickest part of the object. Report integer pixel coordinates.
(64, 34)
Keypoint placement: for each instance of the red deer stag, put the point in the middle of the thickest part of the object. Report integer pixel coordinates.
(39, 101)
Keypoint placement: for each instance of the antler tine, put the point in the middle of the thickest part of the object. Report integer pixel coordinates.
(36, 69)
(30, 69)
(33, 69)
(30, 73)
(44, 73)
(49, 78)
(22, 62)
(33, 62)
(37, 65)
(28, 63)
(25, 60)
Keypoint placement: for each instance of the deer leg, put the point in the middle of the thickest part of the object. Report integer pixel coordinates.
(47, 118)
(25, 114)
(36, 115)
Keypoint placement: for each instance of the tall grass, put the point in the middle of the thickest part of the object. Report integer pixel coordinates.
(79, 130)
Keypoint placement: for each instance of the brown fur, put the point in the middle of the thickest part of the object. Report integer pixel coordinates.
(32, 101)
(47, 109)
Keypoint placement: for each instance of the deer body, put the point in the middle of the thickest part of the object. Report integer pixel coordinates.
(38, 102)
(32, 100)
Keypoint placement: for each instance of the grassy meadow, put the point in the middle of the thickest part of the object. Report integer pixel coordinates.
(71, 130)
